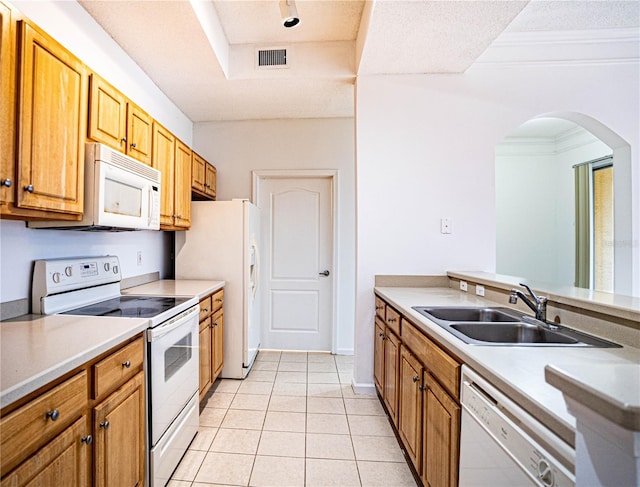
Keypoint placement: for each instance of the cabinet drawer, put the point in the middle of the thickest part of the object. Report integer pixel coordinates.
(217, 300)
(205, 307)
(393, 320)
(35, 423)
(380, 306)
(117, 367)
(443, 367)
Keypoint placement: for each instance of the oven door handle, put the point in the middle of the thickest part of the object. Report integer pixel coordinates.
(177, 322)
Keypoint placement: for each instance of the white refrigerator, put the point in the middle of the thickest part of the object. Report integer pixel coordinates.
(222, 244)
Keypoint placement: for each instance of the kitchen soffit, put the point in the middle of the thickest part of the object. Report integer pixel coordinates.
(211, 75)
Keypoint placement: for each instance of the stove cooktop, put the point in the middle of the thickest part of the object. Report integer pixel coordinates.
(130, 307)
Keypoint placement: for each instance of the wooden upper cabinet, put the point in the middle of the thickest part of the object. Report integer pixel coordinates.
(210, 181)
(139, 127)
(198, 173)
(182, 218)
(164, 155)
(116, 121)
(7, 105)
(107, 114)
(52, 118)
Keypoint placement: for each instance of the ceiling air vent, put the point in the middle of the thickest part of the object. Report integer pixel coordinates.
(272, 58)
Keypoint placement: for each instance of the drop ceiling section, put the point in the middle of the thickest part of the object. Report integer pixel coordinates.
(208, 68)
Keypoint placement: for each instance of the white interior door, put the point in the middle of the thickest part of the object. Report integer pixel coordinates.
(297, 248)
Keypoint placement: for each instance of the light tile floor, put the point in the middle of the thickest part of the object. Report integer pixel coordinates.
(294, 421)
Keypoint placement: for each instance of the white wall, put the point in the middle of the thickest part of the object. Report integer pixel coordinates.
(72, 26)
(237, 148)
(535, 204)
(425, 149)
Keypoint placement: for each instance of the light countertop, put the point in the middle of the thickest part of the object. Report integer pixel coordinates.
(611, 390)
(180, 287)
(36, 349)
(518, 371)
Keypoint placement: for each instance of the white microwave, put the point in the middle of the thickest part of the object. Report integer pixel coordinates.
(120, 193)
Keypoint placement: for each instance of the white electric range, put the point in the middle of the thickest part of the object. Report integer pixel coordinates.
(90, 286)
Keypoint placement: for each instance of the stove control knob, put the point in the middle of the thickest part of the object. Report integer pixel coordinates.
(56, 277)
(107, 266)
(115, 269)
(68, 271)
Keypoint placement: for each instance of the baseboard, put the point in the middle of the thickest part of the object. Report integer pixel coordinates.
(344, 351)
(364, 389)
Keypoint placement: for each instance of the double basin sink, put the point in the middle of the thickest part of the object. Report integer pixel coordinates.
(505, 326)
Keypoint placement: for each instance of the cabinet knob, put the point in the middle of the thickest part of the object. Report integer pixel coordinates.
(87, 439)
(29, 189)
(381, 335)
(133, 146)
(219, 300)
(6, 182)
(416, 379)
(206, 310)
(124, 139)
(378, 308)
(126, 364)
(391, 320)
(213, 325)
(53, 415)
(180, 216)
(105, 425)
(422, 388)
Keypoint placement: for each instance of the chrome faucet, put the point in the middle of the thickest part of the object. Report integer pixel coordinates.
(538, 305)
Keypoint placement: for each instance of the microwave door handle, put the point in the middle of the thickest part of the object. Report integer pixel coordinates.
(150, 207)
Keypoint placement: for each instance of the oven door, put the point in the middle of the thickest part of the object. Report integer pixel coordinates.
(173, 368)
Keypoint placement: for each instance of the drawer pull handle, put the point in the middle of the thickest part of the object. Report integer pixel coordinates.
(53, 415)
(416, 379)
(105, 425)
(379, 308)
(391, 320)
(87, 439)
(422, 388)
(126, 364)
(219, 300)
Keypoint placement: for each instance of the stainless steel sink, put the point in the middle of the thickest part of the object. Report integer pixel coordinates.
(520, 333)
(506, 327)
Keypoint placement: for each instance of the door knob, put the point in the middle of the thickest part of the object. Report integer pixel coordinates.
(324, 273)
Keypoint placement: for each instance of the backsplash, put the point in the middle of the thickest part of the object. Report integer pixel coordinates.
(20, 246)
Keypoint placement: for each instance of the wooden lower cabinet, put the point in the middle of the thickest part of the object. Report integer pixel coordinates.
(411, 406)
(423, 378)
(441, 438)
(391, 359)
(70, 433)
(211, 340)
(63, 461)
(119, 436)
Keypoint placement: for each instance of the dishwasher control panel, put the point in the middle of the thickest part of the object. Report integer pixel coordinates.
(502, 444)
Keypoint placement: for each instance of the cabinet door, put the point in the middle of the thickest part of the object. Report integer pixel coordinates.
(164, 153)
(119, 436)
(198, 173)
(182, 217)
(7, 106)
(410, 417)
(205, 356)
(210, 180)
(107, 114)
(441, 438)
(52, 119)
(378, 355)
(66, 460)
(217, 324)
(139, 130)
(391, 358)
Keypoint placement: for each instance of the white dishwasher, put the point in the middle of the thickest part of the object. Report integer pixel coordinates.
(501, 445)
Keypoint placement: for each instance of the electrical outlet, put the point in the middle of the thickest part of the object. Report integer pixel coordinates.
(445, 225)
(139, 257)
(463, 286)
(479, 290)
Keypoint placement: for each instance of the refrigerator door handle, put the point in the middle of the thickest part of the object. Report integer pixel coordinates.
(254, 272)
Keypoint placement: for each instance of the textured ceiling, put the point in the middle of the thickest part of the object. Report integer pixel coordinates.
(217, 80)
